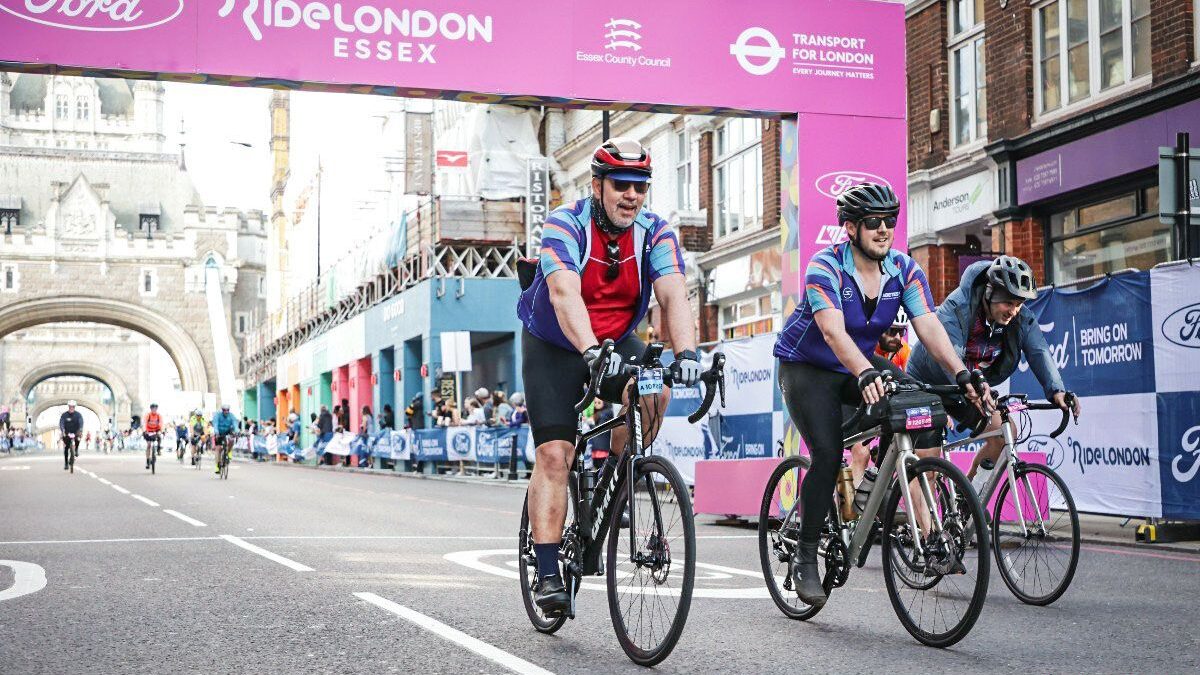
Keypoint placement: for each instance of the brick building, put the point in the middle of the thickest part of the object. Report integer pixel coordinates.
(1034, 129)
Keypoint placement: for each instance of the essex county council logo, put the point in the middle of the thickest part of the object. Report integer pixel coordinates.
(757, 51)
(622, 34)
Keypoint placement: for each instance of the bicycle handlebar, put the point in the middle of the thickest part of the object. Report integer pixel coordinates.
(714, 375)
(606, 350)
(892, 386)
(1069, 399)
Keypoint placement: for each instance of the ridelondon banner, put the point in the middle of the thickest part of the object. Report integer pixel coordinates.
(786, 56)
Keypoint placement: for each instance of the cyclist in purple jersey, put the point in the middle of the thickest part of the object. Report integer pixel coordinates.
(852, 294)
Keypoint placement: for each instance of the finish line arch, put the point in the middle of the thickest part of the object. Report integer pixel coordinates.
(193, 374)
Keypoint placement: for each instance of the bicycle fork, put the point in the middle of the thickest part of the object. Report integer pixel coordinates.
(904, 446)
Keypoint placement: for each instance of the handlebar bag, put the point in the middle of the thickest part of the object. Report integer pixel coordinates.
(914, 412)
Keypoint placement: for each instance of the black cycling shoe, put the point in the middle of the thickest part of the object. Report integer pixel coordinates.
(806, 575)
(551, 596)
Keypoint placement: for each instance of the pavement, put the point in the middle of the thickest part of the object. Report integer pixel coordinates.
(282, 569)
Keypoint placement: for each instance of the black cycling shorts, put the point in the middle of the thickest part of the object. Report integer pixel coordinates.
(555, 379)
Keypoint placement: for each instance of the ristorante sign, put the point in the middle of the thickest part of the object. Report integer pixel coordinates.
(771, 55)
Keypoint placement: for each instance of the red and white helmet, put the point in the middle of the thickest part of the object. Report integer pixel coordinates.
(622, 158)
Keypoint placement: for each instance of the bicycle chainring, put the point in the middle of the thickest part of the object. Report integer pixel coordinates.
(837, 562)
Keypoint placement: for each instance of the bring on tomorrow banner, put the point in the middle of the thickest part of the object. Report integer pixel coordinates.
(1129, 346)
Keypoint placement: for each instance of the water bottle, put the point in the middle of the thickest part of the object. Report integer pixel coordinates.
(982, 474)
(864, 488)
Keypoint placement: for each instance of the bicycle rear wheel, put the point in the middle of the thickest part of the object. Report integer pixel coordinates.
(650, 578)
(1036, 551)
(778, 534)
(528, 572)
(941, 591)
(153, 461)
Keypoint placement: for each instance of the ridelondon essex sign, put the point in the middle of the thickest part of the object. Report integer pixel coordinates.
(776, 56)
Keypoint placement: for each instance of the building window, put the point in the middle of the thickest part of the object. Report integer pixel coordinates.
(968, 80)
(82, 108)
(10, 279)
(242, 323)
(752, 316)
(62, 107)
(148, 282)
(737, 176)
(683, 170)
(148, 223)
(9, 220)
(262, 287)
(1102, 237)
(1089, 47)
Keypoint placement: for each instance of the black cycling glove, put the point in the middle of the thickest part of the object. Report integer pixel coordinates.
(611, 369)
(686, 368)
(867, 377)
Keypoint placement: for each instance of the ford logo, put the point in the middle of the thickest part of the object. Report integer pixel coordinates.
(462, 444)
(1053, 449)
(100, 16)
(1183, 326)
(834, 183)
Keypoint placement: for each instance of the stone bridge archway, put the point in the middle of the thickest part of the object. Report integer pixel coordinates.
(122, 405)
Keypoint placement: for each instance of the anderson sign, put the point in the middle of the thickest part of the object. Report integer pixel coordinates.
(772, 55)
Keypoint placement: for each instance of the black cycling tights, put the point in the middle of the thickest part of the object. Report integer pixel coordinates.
(814, 398)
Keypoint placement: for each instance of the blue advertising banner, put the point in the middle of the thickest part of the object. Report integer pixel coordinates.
(429, 445)
(1101, 338)
(492, 443)
(1179, 453)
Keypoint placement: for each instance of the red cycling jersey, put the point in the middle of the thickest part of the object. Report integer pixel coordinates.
(153, 422)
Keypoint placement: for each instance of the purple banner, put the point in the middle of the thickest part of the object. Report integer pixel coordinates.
(1107, 154)
(769, 55)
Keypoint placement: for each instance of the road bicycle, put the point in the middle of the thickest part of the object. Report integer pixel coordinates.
(224, 449)
(153, 447)
(936, 581)
(651, 567)
(70, 450)
(180, 446)
(197, 450)
(1034, 524)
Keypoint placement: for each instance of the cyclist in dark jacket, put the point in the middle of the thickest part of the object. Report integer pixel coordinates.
(70, 422)
(991, 328)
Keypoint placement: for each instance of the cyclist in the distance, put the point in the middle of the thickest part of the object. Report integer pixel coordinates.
(601, 259)
(853, 293)
(153, 432)
(70, 422)
(224, 426)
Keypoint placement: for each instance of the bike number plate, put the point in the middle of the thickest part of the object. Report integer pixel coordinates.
(650, 381)
(1016, 405)
(918, 418)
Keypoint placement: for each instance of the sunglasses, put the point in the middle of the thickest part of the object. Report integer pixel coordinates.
(875, 222)
(613, 250)
(641, 187)
(895, 331)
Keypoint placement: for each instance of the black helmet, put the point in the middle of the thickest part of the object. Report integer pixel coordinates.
(1013, 277)
(867, 199)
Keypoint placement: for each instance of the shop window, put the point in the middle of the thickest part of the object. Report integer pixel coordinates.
(737, 177)
(683, 170)
(968, 78)
(1108, 236)
(1085, 48)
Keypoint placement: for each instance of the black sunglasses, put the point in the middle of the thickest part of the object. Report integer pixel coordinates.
(641, 187)
(613, 249)
(875, 222)
(896, 331)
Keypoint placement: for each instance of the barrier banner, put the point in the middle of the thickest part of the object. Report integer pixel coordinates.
(460, 444)
(494, 444)
(429, 445)
(339, 445)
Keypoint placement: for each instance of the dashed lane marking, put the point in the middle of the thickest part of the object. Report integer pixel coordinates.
(274, 557)
(187, 519)
(147, 502)
(120, 489)
(495, 654)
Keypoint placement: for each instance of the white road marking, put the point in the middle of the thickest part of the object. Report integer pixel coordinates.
(466, 537)
(105, 541)
(103, 480)
(14, 468)
(186, 519)
(120, 489)
(474, 560)
(513, 663)
(148, 502)
(27, 578)
(275, 557)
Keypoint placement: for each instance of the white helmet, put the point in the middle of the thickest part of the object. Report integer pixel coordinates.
(901, 320)
(71, 403)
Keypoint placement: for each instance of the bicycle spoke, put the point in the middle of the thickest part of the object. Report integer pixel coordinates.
(1037, 561)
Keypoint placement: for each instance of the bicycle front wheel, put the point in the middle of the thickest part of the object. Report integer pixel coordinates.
(652, 564)
(779, 534)
(1037, 546)
(941, 590)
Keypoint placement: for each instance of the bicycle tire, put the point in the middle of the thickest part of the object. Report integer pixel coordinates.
(645, 652)
(225, 468)
(153, 462)
(946, 587)
(1000, 539)
(770, 549)
(527, 573)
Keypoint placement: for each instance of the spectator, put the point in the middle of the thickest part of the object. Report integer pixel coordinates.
(337, 419)
(414, 414)
(293, 430)
(324, 428)
(501, 410)
(449, 417)
(387, 419)
(5, 420)
(475, 415)
(344, 420)
(519, 414)
(602, 444)
(484, 397)
(439, 405)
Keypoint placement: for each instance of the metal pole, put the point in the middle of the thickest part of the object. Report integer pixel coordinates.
(512, 456)
(604, 127)
(1184, 203)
